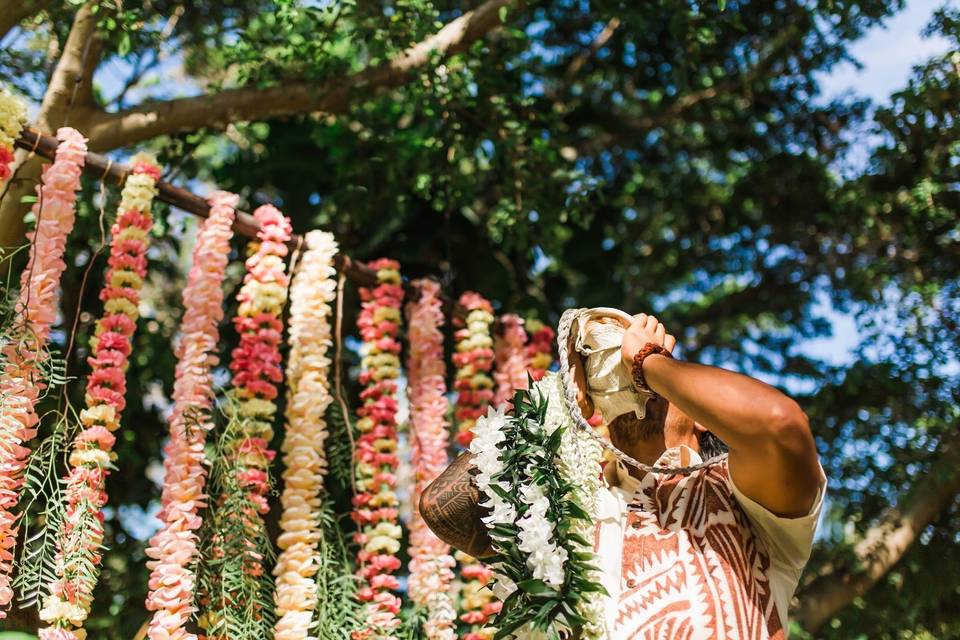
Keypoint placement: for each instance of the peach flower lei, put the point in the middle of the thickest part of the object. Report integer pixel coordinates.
(474, 360)
(174, 548)
(376, 500)
(21, 382)
(13, 115)
(308, 396)
(511, 358)
(78, 558)
(431, 565)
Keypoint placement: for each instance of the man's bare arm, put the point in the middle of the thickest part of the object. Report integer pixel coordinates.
(773, 458)
(450, 506)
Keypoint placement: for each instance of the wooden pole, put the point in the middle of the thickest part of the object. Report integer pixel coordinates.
(103, 168)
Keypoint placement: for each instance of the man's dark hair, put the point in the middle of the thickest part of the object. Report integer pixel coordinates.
(710, 445)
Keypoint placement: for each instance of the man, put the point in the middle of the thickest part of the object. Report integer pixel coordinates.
(715, 553)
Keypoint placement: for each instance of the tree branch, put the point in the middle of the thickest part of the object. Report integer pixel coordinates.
(13, 12)
(109, 131)
(885, 543)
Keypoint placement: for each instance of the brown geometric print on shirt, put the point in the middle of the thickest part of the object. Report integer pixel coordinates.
(692, 568)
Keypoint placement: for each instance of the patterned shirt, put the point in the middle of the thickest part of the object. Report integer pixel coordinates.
(692, 558)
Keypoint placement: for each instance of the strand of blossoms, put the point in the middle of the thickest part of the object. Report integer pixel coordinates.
(376, 500)
(539, 348)
(431, 565)
(239, 548)
(22, 381)
(13, 115)
(474, 360)
(173, 550)
(510, 355)
(505, 450)
(308, 395)
(79, 543)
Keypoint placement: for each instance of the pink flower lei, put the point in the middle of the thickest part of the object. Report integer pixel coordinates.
(173, 549)
(375, 504)
(308, 369)
(474, 360)
(79, 542)
(13, 113)
(539, 348)
(21, 382)
(255, 364)
(511, 358)
(430, 561)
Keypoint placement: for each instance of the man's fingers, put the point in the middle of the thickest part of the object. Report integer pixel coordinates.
(669, 342)
(660, 333)
(651, 325)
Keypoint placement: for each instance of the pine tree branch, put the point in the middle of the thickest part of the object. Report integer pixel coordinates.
(109, 131)
(885, 543)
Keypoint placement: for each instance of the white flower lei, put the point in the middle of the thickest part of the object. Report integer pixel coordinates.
(518, 502)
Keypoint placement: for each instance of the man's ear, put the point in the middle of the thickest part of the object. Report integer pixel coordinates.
(580, 378)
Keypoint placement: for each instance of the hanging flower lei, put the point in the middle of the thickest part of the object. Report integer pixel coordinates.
(13, 114)
(22, 379)
(308, 396)
(540, 476)
(376, 501)
(430, 561)
(232, 591)
(473, 359)
(79, 543)
(540, 348)
(511, 358)
(173, 549)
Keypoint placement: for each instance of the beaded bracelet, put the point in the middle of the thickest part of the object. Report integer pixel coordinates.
(648, 350)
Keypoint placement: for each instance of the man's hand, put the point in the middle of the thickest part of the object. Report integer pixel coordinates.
(644, 329)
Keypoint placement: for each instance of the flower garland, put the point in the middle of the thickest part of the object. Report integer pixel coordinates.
(540, 477)
(79, 543)
(510, 355)
(23, 379)
(233, 591)
(13, 115)
(173, 549)
(376, 501)
(539, 348)
(473, 359)
(308, 396)
(430, 561)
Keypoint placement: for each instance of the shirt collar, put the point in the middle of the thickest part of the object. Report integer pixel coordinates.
(616, 473)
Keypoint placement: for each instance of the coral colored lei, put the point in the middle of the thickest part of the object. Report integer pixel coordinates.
(22, 379)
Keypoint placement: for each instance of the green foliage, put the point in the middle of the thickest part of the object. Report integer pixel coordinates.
(338, 611)
(687, 164)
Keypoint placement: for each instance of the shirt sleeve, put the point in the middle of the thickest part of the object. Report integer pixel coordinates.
(788, 539)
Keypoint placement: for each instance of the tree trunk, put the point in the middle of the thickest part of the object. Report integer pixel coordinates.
(74, 70)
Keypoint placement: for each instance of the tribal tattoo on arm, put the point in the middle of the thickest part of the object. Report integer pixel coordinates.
(450, 506)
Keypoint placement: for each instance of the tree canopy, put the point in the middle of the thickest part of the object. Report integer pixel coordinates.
(670, 156)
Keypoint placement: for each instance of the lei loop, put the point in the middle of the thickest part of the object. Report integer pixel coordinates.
(474, 360)
(511, 358)
(539, 348)
(375, 504)
(541, 523)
